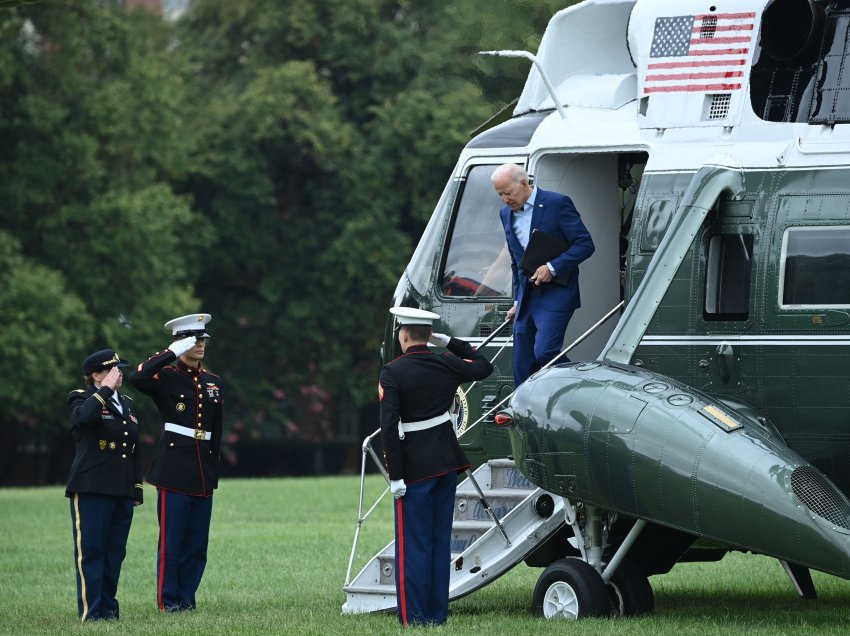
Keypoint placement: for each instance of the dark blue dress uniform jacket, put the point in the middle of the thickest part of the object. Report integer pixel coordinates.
(190, 397)
(419, 385)
(107, 461)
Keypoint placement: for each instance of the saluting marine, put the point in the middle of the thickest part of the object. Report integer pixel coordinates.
(185, 467)
(104, 483)
(423, 458)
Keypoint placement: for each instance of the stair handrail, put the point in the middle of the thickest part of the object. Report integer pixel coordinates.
(488, 509)
(571, 346)
(366, 447)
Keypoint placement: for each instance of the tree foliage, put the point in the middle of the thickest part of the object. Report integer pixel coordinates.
(270, 162)
(97, 243)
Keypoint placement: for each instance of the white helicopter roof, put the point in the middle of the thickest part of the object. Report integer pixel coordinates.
(671, 77)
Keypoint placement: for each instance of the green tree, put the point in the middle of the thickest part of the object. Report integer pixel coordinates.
(333, 127)
(92, 122)
(95, 135)
(46, 329)
(272, 163)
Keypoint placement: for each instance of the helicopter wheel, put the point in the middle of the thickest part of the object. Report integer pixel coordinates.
(629, 591)
(570, 589)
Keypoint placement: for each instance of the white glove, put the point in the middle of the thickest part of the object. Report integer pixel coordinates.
(398, 488)
(179, 347)
(439, 339)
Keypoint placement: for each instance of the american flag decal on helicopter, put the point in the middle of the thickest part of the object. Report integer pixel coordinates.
(699, 53)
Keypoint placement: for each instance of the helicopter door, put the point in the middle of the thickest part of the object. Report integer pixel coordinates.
(594, 181)
(728, 276)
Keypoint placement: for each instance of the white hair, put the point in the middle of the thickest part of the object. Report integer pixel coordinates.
(511, 170)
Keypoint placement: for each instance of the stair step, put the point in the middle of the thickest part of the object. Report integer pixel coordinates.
(503, 462)
(505, 493)
(504, 474)
(462, 526)
(370, 589)
(391, 557)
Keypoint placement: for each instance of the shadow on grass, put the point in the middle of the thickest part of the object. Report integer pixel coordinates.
(695, 609)
(754, 607)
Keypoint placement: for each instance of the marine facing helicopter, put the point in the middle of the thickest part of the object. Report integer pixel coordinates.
(707, 147)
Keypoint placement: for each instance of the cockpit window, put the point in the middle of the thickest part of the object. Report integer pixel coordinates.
(815, 269)
(477, 262)
(420, 270)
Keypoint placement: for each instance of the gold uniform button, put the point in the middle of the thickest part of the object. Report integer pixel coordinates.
(123, 457)
(171, 444)
(124, 444)
(126, 433)
(125, 422)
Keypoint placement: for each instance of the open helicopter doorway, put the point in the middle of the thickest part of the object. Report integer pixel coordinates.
(603, 188)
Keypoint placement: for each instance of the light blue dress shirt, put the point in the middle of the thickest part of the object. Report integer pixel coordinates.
(521, 223)
(521, 220)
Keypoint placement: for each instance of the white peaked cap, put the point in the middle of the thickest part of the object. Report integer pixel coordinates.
(411, 316)
(190, 323)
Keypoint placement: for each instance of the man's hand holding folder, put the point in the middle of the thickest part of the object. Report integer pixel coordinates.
(541, 249)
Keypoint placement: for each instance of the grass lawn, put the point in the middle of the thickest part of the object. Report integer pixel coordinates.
(279, 549)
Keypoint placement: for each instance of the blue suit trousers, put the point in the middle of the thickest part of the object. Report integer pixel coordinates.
(538, 335)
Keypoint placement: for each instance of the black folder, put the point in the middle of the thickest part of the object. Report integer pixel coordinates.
(542, 248)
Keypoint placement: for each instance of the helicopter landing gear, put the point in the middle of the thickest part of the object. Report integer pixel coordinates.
(629, 591)
(570, 589)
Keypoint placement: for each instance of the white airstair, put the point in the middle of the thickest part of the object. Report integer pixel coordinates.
(482, 549)
(499, 519)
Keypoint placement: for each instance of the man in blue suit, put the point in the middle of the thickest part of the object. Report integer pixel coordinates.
(542, 307)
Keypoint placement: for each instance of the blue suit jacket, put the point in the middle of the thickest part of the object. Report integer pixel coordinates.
(554, 214)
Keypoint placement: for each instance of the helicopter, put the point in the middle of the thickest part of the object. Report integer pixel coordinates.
(705, 405)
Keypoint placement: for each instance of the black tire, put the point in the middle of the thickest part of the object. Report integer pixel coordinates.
(570, 589)
(629, 591)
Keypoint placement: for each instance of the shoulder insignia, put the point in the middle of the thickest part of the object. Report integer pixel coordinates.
(127, 396)
(78, 391)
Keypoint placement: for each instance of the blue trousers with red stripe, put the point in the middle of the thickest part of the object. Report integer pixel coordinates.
(423, 531)
(184, 529)
(101, 526)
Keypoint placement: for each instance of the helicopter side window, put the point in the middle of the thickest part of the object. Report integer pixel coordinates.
(815, 267)
(477, 262)
(728, 273)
